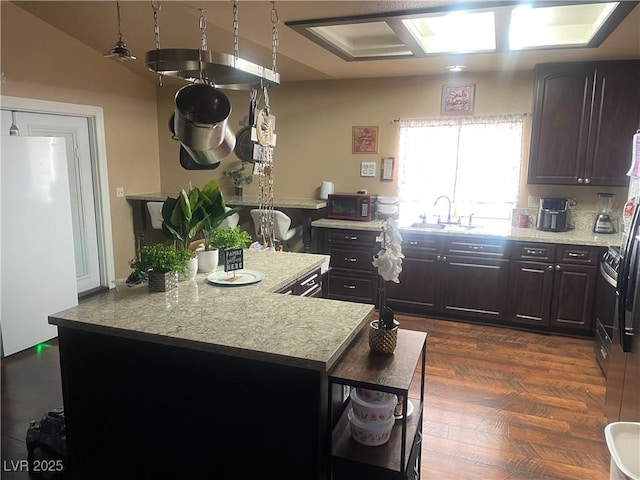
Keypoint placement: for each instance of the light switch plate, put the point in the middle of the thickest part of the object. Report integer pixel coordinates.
(368, 169)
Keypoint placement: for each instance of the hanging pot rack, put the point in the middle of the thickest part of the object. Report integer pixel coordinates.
(225, 71)
(222, 70)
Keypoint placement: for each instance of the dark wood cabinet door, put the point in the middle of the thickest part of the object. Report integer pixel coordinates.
(615, 118)
(560, 123)
(419, 287)
(474, 287)
(572, 305)
(530, 293)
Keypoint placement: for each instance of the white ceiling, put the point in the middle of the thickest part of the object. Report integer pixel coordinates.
(94, 23)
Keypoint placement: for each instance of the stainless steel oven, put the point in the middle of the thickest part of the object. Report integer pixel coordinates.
(606, 306)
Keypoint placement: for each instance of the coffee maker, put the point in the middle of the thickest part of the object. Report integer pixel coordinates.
(604, 221)
(552, 215)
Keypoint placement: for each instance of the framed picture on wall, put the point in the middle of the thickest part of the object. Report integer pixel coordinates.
(365, 140)
(458, 99)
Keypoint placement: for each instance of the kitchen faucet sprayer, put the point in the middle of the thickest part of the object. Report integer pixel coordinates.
(448, 209)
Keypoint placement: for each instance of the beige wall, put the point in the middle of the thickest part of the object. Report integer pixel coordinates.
(43, 63)
(315, 119)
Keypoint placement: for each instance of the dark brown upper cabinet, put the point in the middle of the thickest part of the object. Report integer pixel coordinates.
(584, 118)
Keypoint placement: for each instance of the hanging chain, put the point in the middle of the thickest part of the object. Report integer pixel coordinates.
(203, 27)
(155, 5)
(119, 32)
(203, 44)
(235, 31)
(275, 19)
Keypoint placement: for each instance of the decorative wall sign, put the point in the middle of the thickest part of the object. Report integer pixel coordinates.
(386, 168)
(365, 140)
(368, 169)
(233, 259)
(458, 99)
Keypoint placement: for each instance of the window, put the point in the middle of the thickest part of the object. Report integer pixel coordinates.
(475, 161)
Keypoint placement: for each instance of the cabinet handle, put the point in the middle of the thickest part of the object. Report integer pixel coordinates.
(444, 258)
(439, 257)
(577, 254)
(350, 237)
(580, 180)
(550, 268)
(534, 251)
(349, 287)
(558, 267)
(603, 352)
(475, 247)
(587, 180)
(413, 243)
(348, 259)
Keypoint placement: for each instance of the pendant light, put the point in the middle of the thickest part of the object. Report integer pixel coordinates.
(119, 51)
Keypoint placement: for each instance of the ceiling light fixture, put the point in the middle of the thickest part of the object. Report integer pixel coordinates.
(456, 68)
(119, 51)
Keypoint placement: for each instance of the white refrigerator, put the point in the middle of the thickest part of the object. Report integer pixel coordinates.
(37, 263)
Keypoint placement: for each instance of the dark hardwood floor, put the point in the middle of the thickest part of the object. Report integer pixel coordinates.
(506, 404)
(500, 404)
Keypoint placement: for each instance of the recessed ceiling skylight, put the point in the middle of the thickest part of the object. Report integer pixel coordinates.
(570, 25)
(456, 32)
(371, 39)
(487, 27)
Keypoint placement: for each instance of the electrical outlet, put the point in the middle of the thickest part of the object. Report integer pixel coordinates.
(120, 192)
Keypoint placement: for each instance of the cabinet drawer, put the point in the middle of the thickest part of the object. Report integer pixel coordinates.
(352, 260)
(482, 247)
(417, 243)
(310, 284)
(361, 238)
(578, 254)
(348, 287)
(540, 252)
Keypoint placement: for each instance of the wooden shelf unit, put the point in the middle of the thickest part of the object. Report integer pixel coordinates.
(360, 367)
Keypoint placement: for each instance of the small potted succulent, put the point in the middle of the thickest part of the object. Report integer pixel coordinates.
(160, 264)
(239, 178)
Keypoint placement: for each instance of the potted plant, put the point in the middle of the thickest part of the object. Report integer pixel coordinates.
(228, 238)
(160, 264)
(190, 213)
(239, 177)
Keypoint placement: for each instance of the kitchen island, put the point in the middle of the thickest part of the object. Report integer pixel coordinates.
(205, 381)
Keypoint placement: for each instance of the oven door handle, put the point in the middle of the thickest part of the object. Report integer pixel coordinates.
(609, 279)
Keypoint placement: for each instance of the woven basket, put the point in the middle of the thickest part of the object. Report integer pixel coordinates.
(382, 340)
(162, 282)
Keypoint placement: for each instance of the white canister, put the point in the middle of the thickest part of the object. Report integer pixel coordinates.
(326, 189)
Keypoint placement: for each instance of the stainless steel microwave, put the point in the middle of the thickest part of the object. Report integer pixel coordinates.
(350, 206)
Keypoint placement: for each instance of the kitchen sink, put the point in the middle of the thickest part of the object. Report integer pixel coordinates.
(446, 227)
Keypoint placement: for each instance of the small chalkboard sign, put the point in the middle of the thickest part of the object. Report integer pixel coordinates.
(233, 260)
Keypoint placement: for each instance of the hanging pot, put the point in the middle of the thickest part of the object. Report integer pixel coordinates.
(200, 122)
(191, 159)
(244, 145)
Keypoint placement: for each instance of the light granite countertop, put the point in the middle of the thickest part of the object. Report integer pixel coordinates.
(578, 236)
(249, 321)
(244, 201)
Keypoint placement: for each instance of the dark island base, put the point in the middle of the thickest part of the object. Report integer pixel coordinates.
(139, 410)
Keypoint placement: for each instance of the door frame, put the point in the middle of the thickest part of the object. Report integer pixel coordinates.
(95, 117)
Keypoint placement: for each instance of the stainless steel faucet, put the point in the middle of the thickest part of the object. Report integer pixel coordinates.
(449, 207)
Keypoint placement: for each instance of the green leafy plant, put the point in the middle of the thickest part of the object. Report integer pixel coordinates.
(192, 212)
(162, 258)
(228, 238)
(239, 176)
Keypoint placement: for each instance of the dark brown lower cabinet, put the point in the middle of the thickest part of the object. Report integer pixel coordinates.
(556, 295)
(470, 283)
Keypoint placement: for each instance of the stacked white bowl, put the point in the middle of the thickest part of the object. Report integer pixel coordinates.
(371, 418)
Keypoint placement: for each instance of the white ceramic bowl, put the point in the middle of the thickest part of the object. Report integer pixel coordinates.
(372, 412)
(370, 433)
(374, 396)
